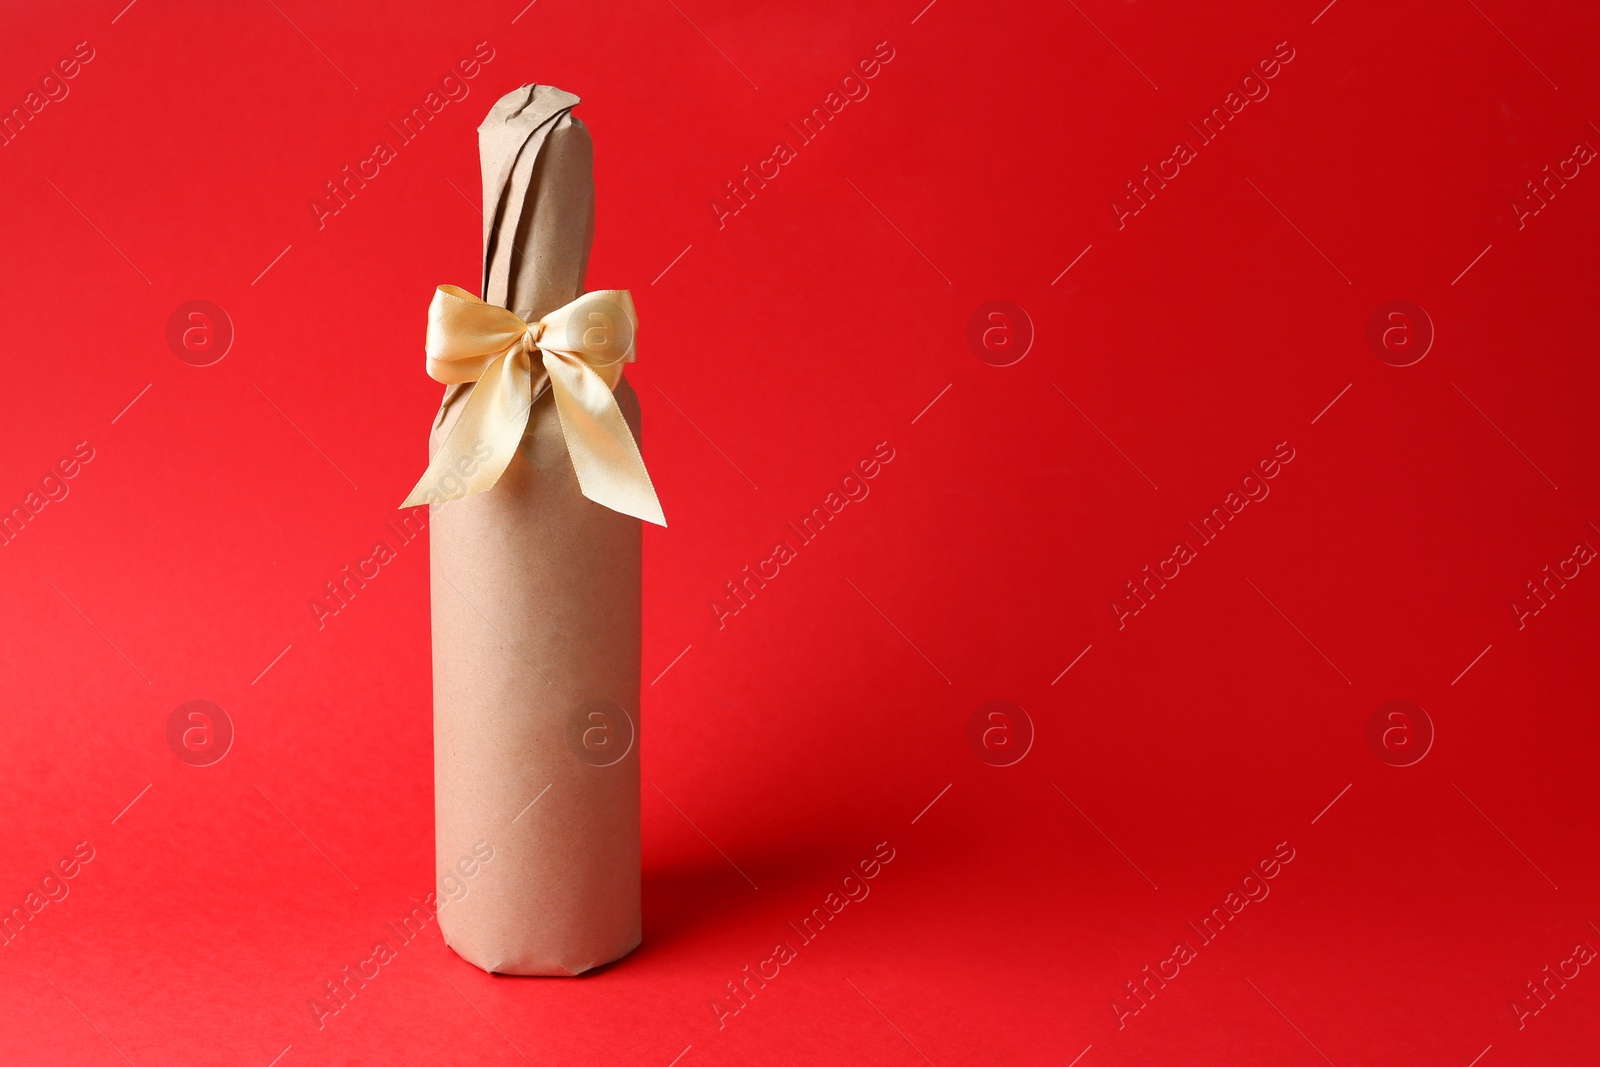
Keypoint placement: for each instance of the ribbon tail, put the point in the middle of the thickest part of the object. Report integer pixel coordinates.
(610, 470)
(486, 435)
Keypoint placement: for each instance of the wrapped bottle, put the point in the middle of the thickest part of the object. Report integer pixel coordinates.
(536, 602)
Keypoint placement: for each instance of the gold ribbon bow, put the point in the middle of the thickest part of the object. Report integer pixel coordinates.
(583, 346)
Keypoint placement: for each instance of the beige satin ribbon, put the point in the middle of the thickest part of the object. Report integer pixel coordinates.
(583, 346)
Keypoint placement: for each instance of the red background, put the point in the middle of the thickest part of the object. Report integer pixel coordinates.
(1176, 753)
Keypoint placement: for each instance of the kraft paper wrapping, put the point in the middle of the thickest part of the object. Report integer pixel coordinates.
(536, 618)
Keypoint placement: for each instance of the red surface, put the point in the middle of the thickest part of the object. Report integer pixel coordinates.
(1177, 752)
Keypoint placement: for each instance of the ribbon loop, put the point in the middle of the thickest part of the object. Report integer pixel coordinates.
(583, 346)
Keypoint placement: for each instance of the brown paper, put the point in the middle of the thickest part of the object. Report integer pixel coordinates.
(536, 618)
